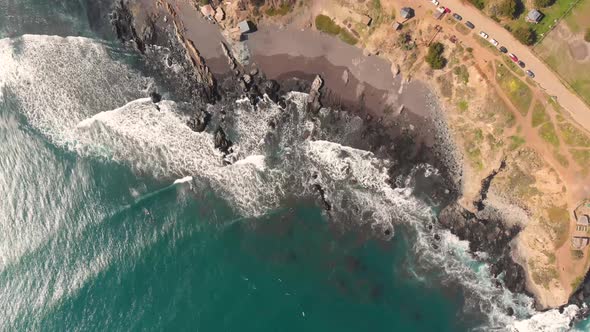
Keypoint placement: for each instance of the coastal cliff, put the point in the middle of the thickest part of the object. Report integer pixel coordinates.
(507, 199)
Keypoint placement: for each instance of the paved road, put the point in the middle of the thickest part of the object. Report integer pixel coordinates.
(548, 80)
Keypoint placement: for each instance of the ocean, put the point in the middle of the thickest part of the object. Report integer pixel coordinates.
(115, 216)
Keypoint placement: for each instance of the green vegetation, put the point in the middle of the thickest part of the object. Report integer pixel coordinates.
(434, 57)
(462, 73)
(587, 35)
(559, 221)
(543, 3)
(543, 276)
(504, 8)
(581, 157)
(347, 37)
(539, 115)
(515, 142)
(463, 105)
(480, 4)
(204, 2)
(283, 10)
(525, 35)
(548, 134)
(577, 254)
(561, 159)
(520, 94)
(577, 282)
(325, 24)
(573, 136)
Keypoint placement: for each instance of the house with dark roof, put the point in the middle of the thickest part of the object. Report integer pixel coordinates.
(407, 12)
(534, 16)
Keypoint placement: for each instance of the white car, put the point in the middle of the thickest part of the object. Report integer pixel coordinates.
(483, 35)
(434, 2)
(494, 42)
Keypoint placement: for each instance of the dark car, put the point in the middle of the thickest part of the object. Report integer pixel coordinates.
(457, 17)
(530, 73)
(470, 25)
(521, 64)
(503, 49)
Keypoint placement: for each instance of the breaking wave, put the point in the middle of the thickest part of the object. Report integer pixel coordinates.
(74, 93)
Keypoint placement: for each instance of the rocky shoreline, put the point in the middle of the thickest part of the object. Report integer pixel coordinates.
(199, 87)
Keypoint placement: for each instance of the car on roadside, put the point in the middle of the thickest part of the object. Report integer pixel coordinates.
(469, 25)
(447, 10)
(435, 2)
(503, 49)
(457, 17)
(483, 35)
(530, 74)
(513, 57)
(521, 64)
(494, 42)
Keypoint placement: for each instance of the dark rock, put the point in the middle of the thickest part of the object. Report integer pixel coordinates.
(510, 311)
(199, 121)
(155, 97)
(468, 227)
(221, 142)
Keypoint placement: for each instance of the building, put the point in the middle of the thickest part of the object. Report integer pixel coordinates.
(534, 16)
(580, 242)
(582, 223)
(245, 26)
(407, 12)
(366, 20)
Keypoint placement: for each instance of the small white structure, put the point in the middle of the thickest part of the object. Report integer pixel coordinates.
(580, 242)
(245, 26)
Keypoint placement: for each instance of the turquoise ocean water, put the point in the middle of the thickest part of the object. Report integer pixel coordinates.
(92, 244)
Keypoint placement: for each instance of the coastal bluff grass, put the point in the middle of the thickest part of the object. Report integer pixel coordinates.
(327, 25)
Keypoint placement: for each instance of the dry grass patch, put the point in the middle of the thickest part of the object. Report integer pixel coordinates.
(559, 221)
(519, 93)
(573, 136)
(548, 134)
(539, 115)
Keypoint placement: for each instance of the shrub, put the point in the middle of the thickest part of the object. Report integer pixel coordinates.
(544, 3)
(525, 35)
(204, 2)
(325, 24)
(434, 57)
(587, 35)
(283, 10)
(347, 37)
(479, 4)
(504, 8)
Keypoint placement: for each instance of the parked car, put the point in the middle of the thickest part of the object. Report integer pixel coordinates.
(512, 57)
(503, 49)
(494, 42)
(470, 25)
(435, 2)
(521, 64)
(447, 10)
(530, 73)
(483, 35)
(457, 17)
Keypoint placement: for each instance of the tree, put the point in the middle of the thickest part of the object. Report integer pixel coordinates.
(434, 57)
(544, 3)
(587, 35)
(525, 35)
(504, 8)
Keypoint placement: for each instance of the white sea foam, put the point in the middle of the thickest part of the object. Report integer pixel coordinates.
(183, 180)
(72, 91)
